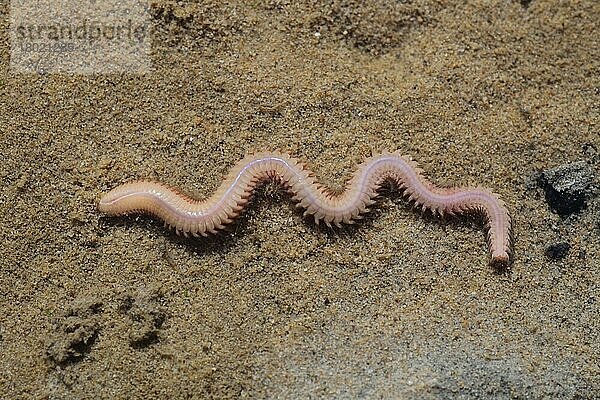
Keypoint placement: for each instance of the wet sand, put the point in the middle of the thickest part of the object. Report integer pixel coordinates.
(398, 306)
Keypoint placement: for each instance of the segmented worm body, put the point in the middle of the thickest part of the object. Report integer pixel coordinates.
(201, 217)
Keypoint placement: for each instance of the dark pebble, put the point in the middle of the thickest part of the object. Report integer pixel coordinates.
(557, 251)
(568, 187)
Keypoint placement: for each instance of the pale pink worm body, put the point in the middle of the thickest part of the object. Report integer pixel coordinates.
(200, 217)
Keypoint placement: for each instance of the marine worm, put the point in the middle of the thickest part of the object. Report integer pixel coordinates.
(201, 217)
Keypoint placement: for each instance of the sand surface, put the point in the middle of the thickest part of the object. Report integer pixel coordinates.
(398, 306)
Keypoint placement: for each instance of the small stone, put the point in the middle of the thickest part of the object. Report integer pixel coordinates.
(568, 186)
(105, 163)
(22, 182)
(557, 251)
(77, 216)
(525, 3)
